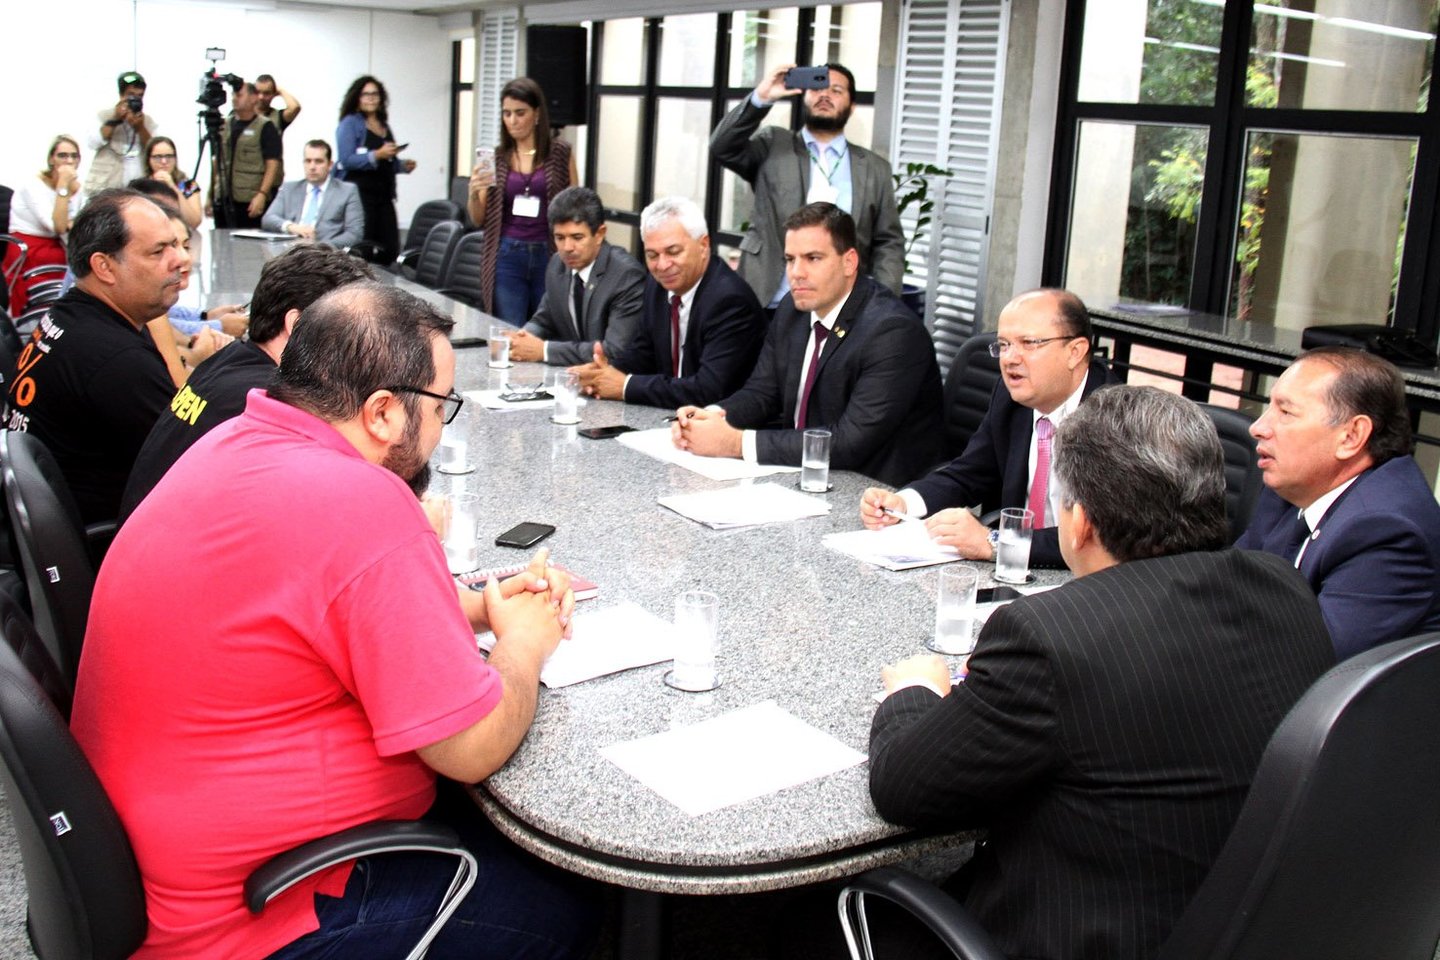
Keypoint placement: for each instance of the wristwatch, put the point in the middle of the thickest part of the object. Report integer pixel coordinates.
(994, 537)
(63, 192)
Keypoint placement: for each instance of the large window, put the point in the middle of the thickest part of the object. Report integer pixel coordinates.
(1274, 162)
(660, 85)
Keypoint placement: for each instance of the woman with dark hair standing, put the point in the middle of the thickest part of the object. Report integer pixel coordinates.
(510, 200)
(366, 155)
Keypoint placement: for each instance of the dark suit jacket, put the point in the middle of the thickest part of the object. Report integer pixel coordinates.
(877, 388)
(994, 469)
(613, 299)
(1374, 561)
(722, 339)
(1106, 736)
(342, 217)
(775, 162)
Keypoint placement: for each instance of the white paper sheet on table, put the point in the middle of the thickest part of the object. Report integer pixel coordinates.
(261, 235)
(746, 506)
(605, 641)
(900, 546)
(656, 443)
(490, 400)
(738, 756)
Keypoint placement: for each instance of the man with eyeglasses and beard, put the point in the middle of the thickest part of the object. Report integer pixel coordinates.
(788, 170)
(276, 652)
(1046, 371)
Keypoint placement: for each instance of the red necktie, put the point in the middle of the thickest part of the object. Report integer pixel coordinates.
(1039, 489)
(820, 334)
(675, 334)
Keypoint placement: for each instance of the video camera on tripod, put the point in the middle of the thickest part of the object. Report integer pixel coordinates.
(212, 97)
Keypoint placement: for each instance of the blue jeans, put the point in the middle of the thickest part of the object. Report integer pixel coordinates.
(520, 279)
(519, 908)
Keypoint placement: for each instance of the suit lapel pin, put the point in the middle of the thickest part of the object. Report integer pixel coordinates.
(840, 332)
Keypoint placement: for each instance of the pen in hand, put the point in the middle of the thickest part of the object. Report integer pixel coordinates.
(899, 516)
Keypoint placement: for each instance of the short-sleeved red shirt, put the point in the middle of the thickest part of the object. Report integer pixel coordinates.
(272, 636)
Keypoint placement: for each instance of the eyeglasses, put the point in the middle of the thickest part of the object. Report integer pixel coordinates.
(453, 401)
(369, 93)
(162, 156)
(67, 156)
(1025, 345)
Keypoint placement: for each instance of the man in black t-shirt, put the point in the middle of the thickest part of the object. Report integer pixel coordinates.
(216, 390)
(90, 383)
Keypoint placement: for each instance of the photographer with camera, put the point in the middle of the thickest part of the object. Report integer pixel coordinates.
(251, 148)
(125, 131)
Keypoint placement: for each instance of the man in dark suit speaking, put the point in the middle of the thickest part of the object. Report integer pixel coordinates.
(1043, 343)
(842, 353)
(1108, 730)
(1344, 500)
(701, 328)
(318, 207)
(593, 289)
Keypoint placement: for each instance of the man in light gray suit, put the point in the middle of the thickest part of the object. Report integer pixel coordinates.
(318, 207)
(593, 291)
(788, 170)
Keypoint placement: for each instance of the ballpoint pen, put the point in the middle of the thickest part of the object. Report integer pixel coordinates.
(899, 516)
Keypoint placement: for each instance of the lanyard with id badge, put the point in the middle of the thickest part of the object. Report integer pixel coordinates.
(822, 188)
(526, 204)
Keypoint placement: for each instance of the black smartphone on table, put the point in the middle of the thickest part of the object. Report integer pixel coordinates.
(997, 594)
(604, 433)
(524, 535)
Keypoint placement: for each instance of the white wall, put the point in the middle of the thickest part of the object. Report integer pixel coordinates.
(314, 51)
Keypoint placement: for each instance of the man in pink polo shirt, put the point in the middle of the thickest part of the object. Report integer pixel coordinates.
(282, 655)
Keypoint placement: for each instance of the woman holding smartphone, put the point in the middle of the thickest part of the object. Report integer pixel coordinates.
(367, 155)
(510, 194)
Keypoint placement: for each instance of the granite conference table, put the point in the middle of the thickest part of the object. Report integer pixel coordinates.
(800, 624)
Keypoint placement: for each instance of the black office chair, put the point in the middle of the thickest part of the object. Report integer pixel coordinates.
(968, 388)
(86, 897)
(434, 258)
(427, 215)
(1335, 855)
(17, 266)
(55, 552)
(462, 277)
(1243, 479)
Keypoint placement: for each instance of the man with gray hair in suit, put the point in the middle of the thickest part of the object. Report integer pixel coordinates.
(1107, 731)
(788, 170)
(594, 291)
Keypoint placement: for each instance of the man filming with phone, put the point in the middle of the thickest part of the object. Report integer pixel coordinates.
(788, 169)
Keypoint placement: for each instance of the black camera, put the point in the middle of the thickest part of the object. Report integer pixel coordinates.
(212, 90)
(135, 104)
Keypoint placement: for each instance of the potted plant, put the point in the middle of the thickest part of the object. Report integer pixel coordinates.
(912, 187)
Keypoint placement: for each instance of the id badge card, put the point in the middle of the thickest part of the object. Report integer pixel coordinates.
(526, 205)
(821, 190)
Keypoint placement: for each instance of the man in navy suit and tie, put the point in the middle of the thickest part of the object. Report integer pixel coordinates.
(318, 207)
(701, 329)
(594, 291)
(1107, 732)
(1344, 500)
(842, 353)
(1043, 344)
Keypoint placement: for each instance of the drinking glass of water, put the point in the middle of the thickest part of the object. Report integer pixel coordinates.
(815, 461)
(955, 610)
(697, 625)
(1012, 552)
(499, 346)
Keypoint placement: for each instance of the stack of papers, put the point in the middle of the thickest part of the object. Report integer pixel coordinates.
(900, 546)
(746, 506)
(657, 443)
(738, 756)
(606, 641)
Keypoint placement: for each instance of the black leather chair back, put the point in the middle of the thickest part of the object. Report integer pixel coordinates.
(462, 278)
(86, 898)
(54, 552)
(1242, 469)
(1336, 854)
(435, 253)
(968, 387)
(426, 216)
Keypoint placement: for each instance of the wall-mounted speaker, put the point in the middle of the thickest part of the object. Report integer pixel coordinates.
(555, 58)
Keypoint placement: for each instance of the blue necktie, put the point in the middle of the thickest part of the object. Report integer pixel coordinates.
(312, 207)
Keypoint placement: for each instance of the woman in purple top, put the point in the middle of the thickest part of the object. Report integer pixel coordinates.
(511, 202)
